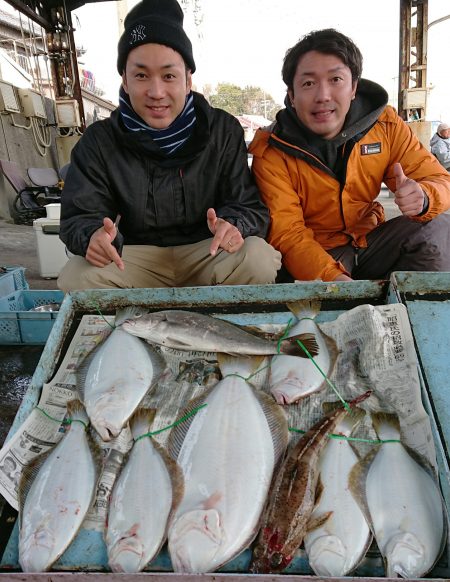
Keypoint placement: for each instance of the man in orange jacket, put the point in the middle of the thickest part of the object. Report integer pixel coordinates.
(321, 165)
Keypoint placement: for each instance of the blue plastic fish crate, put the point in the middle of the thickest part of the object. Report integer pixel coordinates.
(12, 280)
(19, 325)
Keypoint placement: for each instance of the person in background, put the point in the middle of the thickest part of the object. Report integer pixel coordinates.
(440, 145)
(321, 164)
(171, 168)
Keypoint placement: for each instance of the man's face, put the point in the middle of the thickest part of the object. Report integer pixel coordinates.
(445, 133)
(322, 93)
(157, 83)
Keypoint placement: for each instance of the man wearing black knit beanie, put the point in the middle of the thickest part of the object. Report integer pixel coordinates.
(171, 169)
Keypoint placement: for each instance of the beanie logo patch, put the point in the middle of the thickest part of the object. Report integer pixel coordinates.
(137, 34)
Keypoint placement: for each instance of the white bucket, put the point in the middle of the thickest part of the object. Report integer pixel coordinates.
(53, 210)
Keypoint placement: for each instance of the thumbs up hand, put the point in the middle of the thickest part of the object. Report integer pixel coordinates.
(409, 196)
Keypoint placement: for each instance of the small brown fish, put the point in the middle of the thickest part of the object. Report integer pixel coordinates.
(293, 496)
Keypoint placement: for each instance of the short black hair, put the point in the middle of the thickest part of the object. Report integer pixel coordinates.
(329, 42)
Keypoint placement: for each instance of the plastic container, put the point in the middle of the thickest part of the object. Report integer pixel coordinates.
(12, 280)
(50, 249)
(19, 324)
(53, 210)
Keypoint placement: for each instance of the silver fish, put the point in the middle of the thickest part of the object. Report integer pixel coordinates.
(291, 377)
(185, 330)
(227, 453)
(145, 494)
(338, 545)
(54, 503)
(114, 379)
(399, 493)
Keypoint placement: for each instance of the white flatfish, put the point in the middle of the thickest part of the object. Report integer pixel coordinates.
(337, 545)
(114, 379)
(56, 493)
(293, 377)
(147, 491)
(227, 453)
(400, 495)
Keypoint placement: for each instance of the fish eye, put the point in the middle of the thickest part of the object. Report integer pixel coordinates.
(276, 559)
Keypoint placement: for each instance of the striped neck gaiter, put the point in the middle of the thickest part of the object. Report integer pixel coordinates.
(169, 139)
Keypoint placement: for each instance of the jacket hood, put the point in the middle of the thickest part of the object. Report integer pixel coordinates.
(370, 100)
(437, 138)
(142, 143)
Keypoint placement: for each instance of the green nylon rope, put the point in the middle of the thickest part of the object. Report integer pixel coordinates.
(344, 438)
(305, 349)
(97, 308)
(64, 421)
(176, 423)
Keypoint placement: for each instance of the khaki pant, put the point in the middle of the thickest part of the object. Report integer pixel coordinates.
(180, 266)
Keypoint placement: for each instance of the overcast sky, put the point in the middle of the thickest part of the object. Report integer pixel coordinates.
(244, 42)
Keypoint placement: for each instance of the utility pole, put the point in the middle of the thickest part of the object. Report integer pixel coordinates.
(412, 90)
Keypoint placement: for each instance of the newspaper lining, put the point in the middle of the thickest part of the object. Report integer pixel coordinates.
(376, 352)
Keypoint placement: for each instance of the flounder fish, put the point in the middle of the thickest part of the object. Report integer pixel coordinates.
(145, 494)
(114, 378)
(291, 377)
(227, 452)
(292, 497)
(339, 544)
(185, 330)
(56, 491)
(398, 491)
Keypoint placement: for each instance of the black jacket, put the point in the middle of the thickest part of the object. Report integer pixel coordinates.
(162, 201)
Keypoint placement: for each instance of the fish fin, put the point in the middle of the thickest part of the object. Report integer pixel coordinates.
(29, 474)
(332, 348)
(141, 421)
(158, 362)
(76, 411)
(277, 421)
(129, 312)
(176, 343)
(318, 521)
(351, 420)
(290, 347)
(178, 432)
(319, 491)
(307, 308)
(357, 484)
(83, 366)
(380, 418)
(243, 365)
(177, 480)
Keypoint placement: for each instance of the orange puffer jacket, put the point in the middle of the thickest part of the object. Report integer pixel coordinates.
(311, 214)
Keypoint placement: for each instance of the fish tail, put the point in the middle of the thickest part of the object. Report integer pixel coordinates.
(291, 347)
(141, 421)
(350, 422)
(305, 308)
(241, 365)
(353, 403)
(76, 411)
(385, 418)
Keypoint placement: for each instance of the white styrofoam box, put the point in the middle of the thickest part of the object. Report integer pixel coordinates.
(51, 250)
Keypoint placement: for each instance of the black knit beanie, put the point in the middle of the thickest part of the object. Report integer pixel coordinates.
(158, 21)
